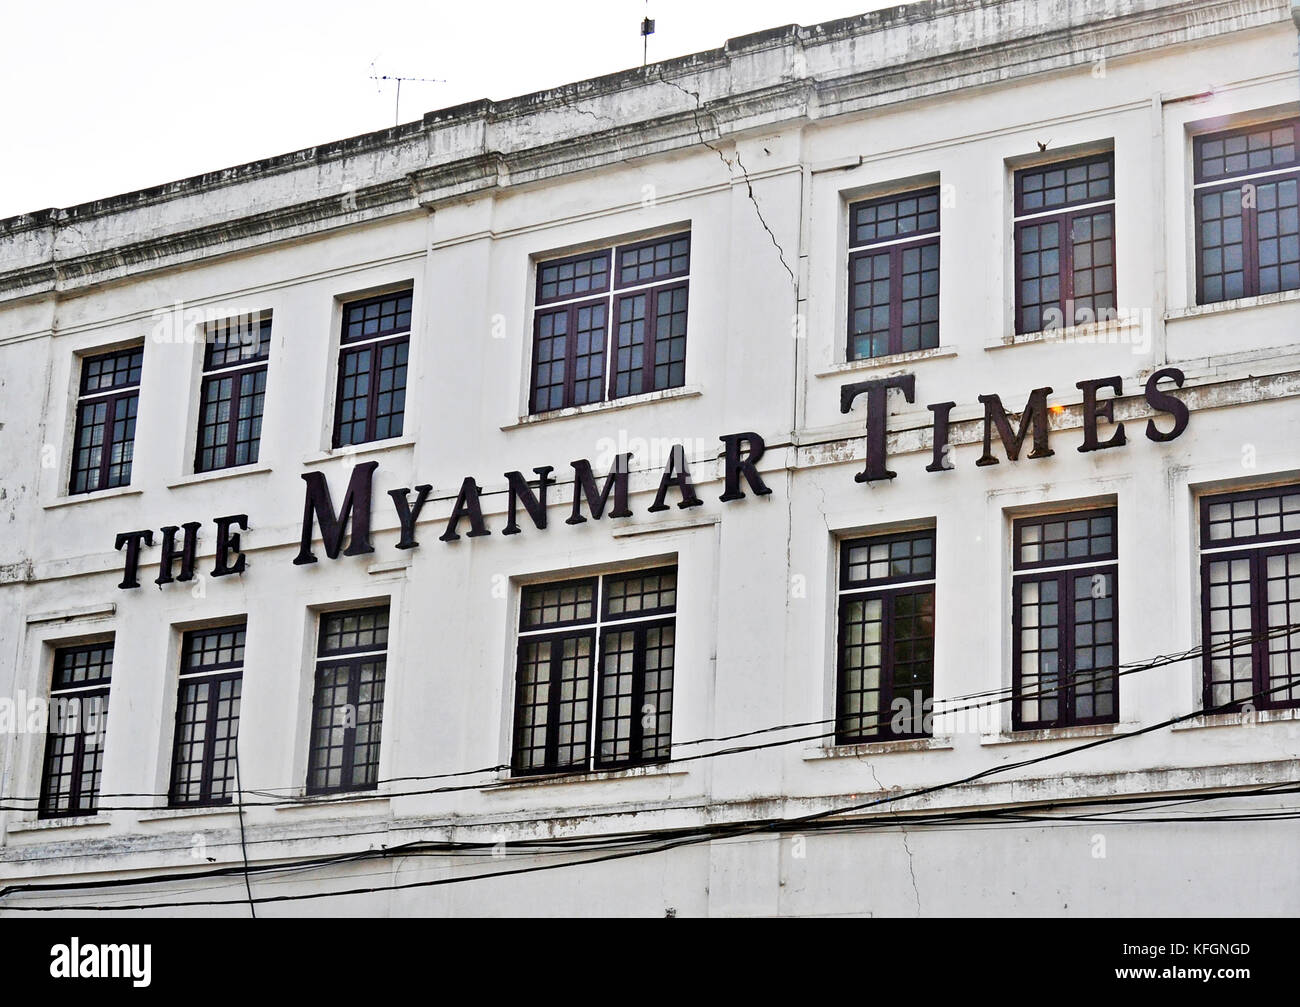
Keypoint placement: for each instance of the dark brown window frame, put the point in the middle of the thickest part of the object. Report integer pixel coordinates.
(1218, 184)
(352, 658)
(1064, 215)
(1255, 550)
(214, 676)
(606, 253)
(570, 311)
(375, 343)
(1064, 572)
(887, 589)
(82, 802)
(895, 246)
(236, 371)
(611, 293)
(596, 629)
(115, 398)
(649, 349)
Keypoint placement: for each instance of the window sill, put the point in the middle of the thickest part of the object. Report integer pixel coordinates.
(1058, 733)
(83, 498)
(1237, 719)
(42, 824)
(526, 782)
(627, 402)
(1111, 331)
(169, 814)
(942, 743)
(842, 367)
(358, 450)
(1238, 304)
(234, 472)
(295, 801)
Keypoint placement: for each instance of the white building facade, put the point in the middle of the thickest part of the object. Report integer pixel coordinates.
(827, 642)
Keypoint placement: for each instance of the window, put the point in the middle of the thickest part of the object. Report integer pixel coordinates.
(207, 716)
(625, 626)
(348, 709)
(372, 369)
(1247, 232)
(78, 721)
(1250, 598)
(886, 637)
(894, 274)
(234, 388)
(1064, 621)
(625, 306)
(106, 407)
(1065, 243)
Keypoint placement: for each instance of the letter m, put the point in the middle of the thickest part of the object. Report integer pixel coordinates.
(1034, 416)
(355, 507)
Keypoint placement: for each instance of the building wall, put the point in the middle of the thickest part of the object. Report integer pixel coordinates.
(764, 185)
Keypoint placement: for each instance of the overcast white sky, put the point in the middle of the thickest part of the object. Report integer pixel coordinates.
(100, 98)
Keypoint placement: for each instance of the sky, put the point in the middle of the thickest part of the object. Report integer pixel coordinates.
(101, 98)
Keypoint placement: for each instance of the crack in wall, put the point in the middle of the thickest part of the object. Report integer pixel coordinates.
(731, 166)
(907, 847)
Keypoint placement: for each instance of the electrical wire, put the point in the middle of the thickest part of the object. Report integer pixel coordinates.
(696, 836)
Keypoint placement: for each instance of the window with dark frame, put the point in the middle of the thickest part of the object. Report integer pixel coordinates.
(1247, 211)
(1250, 598)
(1065, 620)
(610, 323)
(104, 442)
(207, 716)
(1065, 243)
(233, 392)
(595, 660)
(894, 274)
(372, 369)
(348, 705)
(78, 722)
(885, 668)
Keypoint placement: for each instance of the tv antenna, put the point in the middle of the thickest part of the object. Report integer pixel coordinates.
(397, 103)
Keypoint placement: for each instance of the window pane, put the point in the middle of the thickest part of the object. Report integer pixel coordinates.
(630, 344)
(645, 592)
(558, 604)
(1260, 148)
(655, 260)
(239, 340)
(888, 558)
(550, 359)
(1039, 656)
(354, 630)
(378, 317)
(870, 295)
(1038, 284)
(574, 277)
(1070, 183)
(901, 216)
(1093, 237)
(1277, 235)
(1222, 237)
(861, 659)
(111, 371)
(1256, 515)
(1062, 539)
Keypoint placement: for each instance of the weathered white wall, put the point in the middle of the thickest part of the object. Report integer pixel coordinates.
(755, 648)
